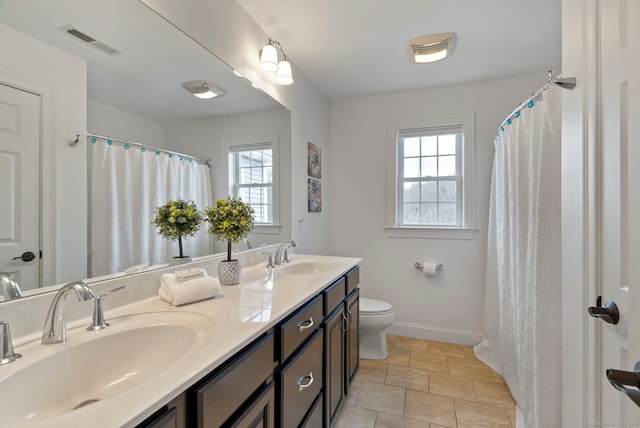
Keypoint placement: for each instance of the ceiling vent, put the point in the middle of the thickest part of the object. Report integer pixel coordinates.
(85, 38)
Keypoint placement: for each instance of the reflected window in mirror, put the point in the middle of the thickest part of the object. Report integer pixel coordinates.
(252, 176)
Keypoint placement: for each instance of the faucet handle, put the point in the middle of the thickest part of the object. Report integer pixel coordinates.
(269, 259)
(98, 322)
(8, 355)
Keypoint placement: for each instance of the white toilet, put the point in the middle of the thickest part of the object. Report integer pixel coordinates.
(375, 317)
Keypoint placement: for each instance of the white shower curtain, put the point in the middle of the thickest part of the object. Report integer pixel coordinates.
(522, 305)
(127, 184)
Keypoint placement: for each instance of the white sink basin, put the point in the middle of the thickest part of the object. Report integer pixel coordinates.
(51, 380)
(308, 267)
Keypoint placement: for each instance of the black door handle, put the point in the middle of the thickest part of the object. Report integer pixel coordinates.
(609, 313)
(27, 256)
(622, 381)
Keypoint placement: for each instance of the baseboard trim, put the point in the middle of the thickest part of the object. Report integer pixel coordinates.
(439, 334)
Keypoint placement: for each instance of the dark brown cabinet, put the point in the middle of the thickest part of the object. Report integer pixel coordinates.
(334, 366)
(352, 344)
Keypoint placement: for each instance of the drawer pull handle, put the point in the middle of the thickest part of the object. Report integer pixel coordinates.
(303, 325)
(301, 385)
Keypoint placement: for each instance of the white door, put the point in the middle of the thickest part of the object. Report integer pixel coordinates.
(20, 185)
(619, 48)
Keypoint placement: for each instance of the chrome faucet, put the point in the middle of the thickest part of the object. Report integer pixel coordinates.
(10, 288)
(55, 325)
(281, 252)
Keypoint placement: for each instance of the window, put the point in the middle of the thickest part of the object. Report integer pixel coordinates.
(252, 177)
(431, 189)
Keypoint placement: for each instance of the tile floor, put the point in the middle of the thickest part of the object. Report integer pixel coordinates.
(430, 385)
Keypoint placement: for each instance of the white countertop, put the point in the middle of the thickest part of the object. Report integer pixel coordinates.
(241, 314)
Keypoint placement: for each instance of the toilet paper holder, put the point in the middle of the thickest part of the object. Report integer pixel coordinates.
(419, 265)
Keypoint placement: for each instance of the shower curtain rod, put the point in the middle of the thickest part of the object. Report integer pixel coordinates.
(563, 82)
(147, 146)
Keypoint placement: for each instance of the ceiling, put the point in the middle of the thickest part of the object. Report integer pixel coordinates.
(146, 78)
(354, 48)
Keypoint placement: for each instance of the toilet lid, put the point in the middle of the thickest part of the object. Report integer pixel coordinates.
(374, 306)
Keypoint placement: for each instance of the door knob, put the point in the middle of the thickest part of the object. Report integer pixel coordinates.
(609, 313)
(622, 381)
(27, 256)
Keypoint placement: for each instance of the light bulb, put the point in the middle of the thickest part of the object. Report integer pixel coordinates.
(269, 58)
(284, 75)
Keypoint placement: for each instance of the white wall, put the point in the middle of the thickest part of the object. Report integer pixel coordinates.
(450, 306)
(205, 138)
(103, 119)
(61, 80)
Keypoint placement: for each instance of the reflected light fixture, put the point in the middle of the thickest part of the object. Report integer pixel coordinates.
(431, 48)
(269, 62)
(204, 89)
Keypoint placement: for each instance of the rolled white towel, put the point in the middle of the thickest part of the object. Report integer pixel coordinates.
(180, 293)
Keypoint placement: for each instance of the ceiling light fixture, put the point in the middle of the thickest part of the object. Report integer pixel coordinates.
(269, 62)
(204, 89)
(430, 48)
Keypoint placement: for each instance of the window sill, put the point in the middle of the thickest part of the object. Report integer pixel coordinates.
(266, 229)
(431, 232)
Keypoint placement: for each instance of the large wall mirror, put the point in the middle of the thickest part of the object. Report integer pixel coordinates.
(136, 94)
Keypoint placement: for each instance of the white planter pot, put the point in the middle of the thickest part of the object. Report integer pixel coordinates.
(229, 272)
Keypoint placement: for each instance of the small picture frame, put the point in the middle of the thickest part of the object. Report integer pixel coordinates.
(314, 160)
(314, 190)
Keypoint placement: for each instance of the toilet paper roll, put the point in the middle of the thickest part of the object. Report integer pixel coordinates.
(429, 269)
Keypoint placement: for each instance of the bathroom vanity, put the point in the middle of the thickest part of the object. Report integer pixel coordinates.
(279, 349)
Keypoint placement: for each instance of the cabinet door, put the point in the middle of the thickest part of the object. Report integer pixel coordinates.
(334, 368)
(261, 413)
(352, 339)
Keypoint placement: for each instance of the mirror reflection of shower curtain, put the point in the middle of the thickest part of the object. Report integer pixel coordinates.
(126, 185)
(522, 338)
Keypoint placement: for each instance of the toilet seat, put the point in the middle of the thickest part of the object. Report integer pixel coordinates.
(374, 307)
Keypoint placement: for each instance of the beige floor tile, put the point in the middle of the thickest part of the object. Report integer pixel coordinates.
(430, 362)
(372, 370)
(386, 420)
(470, 414)
(452, 386)
(354, 391)
(512, 417)
(406, 377)
(494, 393)
(356, 417)
(471, 369)
(390, 340)
(469, 354)
(398, 357)
(448, 349)
(385, 398)
(411, 344)
(435, 409)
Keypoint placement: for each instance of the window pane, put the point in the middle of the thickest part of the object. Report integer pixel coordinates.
(411, 147)
(447, 144)
(429, 167)
(412, 167)
(447, 166)
(447, 214)
(429, 191)
(430, 146)
(447, 191)
(411, 214)
(411, 192)
(429, 213)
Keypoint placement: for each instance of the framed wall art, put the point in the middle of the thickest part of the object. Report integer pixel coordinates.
(314, 160)
(314, 191)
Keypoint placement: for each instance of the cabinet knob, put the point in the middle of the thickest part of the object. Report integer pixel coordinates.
(304, 325)
(308, 378)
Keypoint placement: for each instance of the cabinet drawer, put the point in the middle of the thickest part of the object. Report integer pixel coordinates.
(333, 296)
(300, 326)
(353, 279)
(219, 397)
(300, 383)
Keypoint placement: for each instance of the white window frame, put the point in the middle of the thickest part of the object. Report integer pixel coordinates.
(466, 229)
(258, 142)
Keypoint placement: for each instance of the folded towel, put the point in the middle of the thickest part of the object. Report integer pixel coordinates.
(189, 274)
(180, 293)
